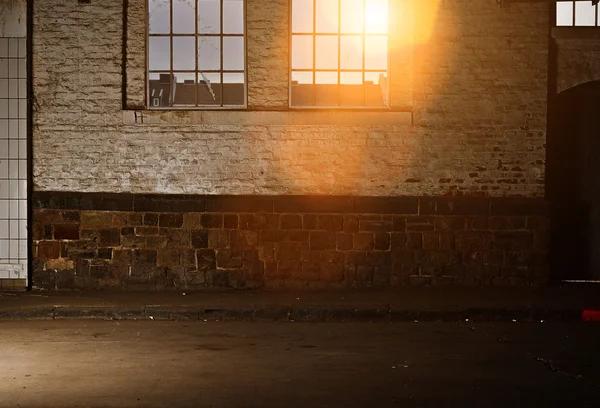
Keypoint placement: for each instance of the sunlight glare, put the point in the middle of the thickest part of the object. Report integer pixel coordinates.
(376, 21)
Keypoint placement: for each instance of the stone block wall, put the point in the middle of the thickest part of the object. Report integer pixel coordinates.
(128, 241)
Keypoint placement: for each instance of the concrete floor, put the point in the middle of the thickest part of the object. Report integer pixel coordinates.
(177, 364)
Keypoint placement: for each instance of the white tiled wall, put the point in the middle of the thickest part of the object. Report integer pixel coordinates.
(13, 158)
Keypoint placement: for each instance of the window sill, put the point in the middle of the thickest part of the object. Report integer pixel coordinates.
(575, 32)
(257, 118)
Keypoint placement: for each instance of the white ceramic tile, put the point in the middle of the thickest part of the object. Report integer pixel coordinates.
(3, 108)
(22, 129)
(22, 149)
(22, 47)
(23, 209)
(14, 188)
(3, 68)
(23, 190)
(22, 228)
(4, 88)
(13, 68)
(13, 226)
(3, 168)
(22, 109)
(13, 249)
(4, 129)
(3, 229)
(22, 88)
(13, 128)
(4, 273)
(4, 189)
(13, 47)
(13, 210)
(13, 169)
(3, 47)
(13, 108)
(3, 148)
(13, 149)
(22, 175)
(3, 209)
(23, 249)
(22, 68)
(13, 88)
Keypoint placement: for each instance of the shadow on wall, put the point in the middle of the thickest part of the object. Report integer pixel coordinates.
(573, 183)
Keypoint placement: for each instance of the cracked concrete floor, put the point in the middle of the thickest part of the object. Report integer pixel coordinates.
(234, 364)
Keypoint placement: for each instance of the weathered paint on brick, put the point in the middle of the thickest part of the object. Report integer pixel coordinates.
(478, 87)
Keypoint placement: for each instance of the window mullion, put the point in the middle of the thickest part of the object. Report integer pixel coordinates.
(339, 75)
(171, 74)
(364, 35)
(314, 36)
(221, 41)
(196, 53)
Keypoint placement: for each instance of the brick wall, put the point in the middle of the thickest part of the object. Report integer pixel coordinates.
(577, 56)
(475, 83)
(192, 242)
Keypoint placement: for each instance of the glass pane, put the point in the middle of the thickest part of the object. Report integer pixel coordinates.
(209, 17)
(352, 16)
(327, 52)
(159, 12)
(233, 89)
(184, 56)
(376, 88)
(302, 16)
(351, 52)
(160, 86)
(160, 53)
(327, 16)
(564, 13)
(233, 53)
(585, 13)
(376, 17)
(352, 91)
(209, 89)
(376, 55)
(302, 52)
(351, 78)
(209, 53)
(184, 20)
(326, 78)
(302, 78)
(184, 88)
(233, 16)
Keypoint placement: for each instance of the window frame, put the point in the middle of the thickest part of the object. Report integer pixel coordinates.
(573, 21)
(339, 70)
(197, 71)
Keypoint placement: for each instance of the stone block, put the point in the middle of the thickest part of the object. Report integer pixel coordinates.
(199, 238)
(243, 239)
(206, 259)
(170, 220)
(291, 221)
(109, 237)
(345, 242)
(211, 220)
(363, 241)
(320, 240)
(48, 250)
(330, 222)
(66, 231)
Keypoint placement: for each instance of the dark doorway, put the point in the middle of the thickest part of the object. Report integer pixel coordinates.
(573, 183)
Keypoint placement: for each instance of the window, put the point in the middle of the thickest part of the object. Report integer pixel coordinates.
(577, 13)
(339, 54)
(196, 54)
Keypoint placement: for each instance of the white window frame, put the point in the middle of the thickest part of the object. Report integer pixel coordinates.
(221, 71)
(339, 70)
